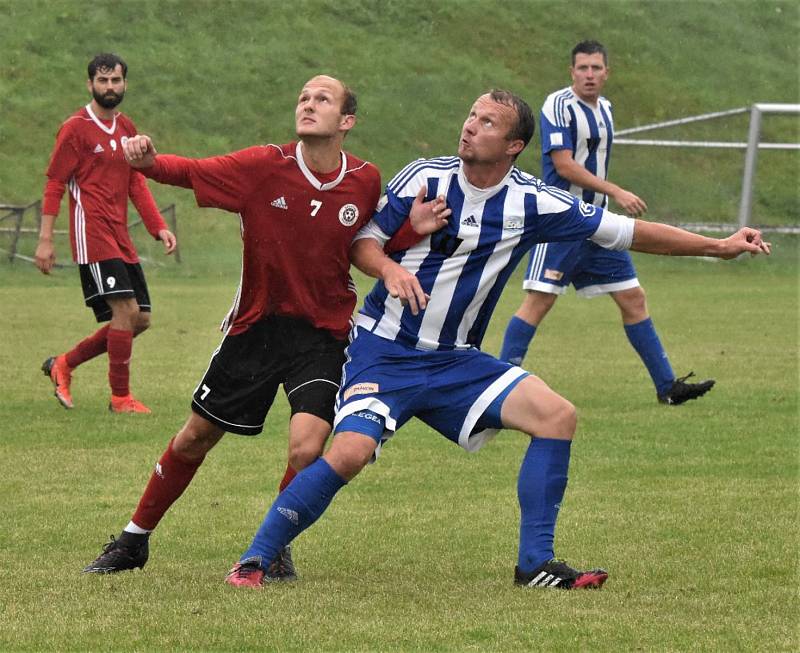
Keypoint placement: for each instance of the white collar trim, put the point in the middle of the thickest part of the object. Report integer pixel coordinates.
(98, 122)
(316, 183)
(475, 194)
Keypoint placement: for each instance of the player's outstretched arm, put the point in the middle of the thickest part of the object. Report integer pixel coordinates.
(140, 152)
(657, 238)
(368, 256)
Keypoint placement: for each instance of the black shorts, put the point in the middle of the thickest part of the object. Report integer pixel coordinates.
(113, 279)
(242, 379)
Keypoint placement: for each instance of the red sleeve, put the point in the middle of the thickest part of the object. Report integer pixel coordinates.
(51, 199)
(63, 163)
(169, 169)
(404, 238)
(143, 200)
(221, 182)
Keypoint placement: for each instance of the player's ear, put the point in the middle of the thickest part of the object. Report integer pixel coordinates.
(89, 85)
(347, 122)
(515, 147)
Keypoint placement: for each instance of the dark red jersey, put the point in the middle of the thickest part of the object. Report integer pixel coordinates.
(88, 159)
(297, 226)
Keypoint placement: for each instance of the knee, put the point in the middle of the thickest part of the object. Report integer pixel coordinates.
(141, 323)
(535, 306)
(350, 453)
(562, 421)
(639, 300)
(193, 443)
(633, 306)
(302, 454)
(349, 466)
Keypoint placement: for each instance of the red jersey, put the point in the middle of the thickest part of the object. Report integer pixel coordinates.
(88, 158)
(297, 226)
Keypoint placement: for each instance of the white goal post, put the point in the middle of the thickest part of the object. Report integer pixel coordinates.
(752, 145)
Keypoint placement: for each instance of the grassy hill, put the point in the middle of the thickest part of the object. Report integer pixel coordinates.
(208, 77)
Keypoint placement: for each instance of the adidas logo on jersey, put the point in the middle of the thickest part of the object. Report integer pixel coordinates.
(470, 221)
(98, 148)
(280, 203)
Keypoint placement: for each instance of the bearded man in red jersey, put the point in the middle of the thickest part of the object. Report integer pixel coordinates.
(88, 158)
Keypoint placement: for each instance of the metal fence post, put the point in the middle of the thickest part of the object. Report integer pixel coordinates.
(750, 160)
(19, 212)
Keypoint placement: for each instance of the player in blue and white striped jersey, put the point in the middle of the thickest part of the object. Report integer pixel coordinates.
(465, 266)
(414, 350)
(577, 132)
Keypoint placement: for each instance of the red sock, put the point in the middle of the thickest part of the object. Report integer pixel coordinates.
(88, 348)
(287, 478)
(120, 344)
(171, 477)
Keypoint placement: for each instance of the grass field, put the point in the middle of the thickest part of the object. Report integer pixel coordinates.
(692, 509)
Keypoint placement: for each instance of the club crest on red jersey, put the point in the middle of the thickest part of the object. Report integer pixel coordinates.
(348, 215)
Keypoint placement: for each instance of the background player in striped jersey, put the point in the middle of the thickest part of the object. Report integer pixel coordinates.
(412, 356)
(577, 132)
(88, 158)
(300, 206)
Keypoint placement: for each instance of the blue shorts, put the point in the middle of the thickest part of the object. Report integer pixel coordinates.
(458, 393)
(592, 269)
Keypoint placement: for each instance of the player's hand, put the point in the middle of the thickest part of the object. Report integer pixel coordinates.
(45, 256)
(140, 152)
(633, 205)
(169, 240)
(403, 285)
(428, 217)
(746, 239)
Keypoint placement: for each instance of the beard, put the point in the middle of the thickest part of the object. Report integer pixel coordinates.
(109, 100)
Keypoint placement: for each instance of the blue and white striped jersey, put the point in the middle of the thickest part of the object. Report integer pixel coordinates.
(465, 265)
(568, 123)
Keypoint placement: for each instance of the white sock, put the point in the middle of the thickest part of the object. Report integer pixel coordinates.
(133, 528)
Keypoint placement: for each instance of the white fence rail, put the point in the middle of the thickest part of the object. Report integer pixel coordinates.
(752, 145)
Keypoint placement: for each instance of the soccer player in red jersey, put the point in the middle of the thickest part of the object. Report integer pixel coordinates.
(88, 158)
(300, 205)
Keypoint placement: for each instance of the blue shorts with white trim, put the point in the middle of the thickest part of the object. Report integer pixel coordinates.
(458, 393)
(592, 269)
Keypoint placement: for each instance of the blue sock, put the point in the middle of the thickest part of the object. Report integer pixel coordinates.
(644, 339)
(295, 509)
(540, 488)
(515, 343)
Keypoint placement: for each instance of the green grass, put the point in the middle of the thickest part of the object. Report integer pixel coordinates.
(692, 509)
